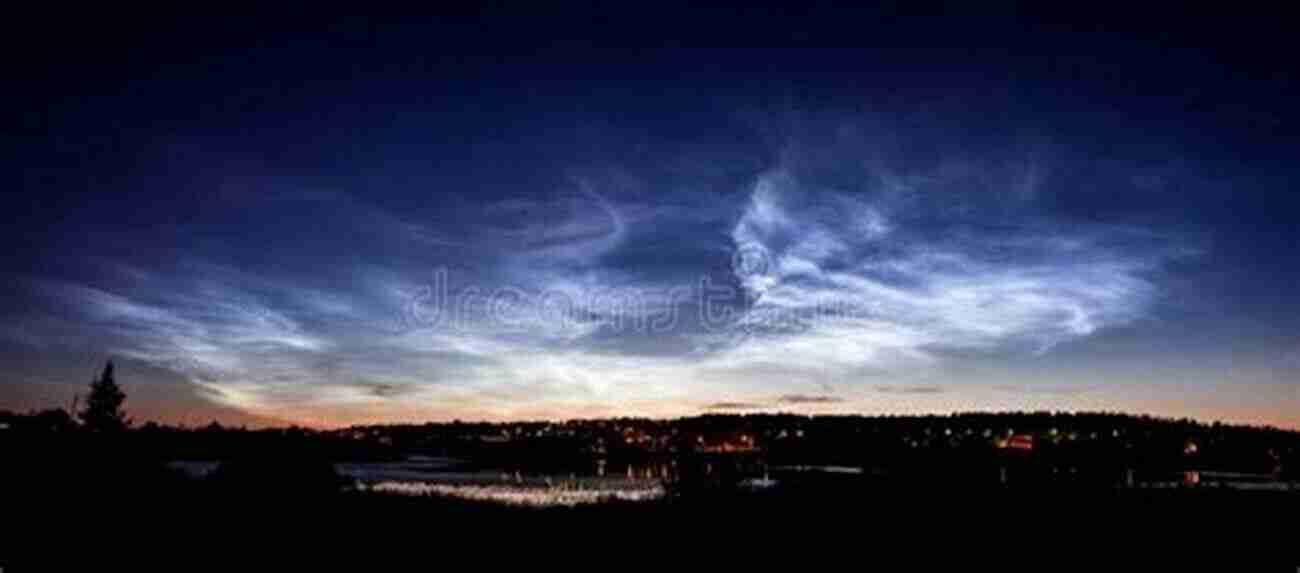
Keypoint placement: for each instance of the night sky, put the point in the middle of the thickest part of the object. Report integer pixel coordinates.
(578, 213)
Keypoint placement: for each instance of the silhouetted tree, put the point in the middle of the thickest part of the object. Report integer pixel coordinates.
(103, 411)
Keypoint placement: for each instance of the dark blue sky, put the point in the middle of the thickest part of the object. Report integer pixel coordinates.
(589, 212)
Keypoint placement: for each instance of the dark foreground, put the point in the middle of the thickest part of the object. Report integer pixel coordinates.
(147, 514)
(72, 500)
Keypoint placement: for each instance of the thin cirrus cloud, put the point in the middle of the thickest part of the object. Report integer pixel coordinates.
(808, 399)
(836, 290)
(843, 283)
(887, 389)
(733, 406)
(783, 401)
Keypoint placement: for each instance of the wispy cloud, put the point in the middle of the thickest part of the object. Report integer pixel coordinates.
(886, 389)
(832, 288)
(849, 284)
(1051, 389)
(808, 399)
(733, 406)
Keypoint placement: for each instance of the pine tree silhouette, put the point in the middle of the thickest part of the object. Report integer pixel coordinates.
(103, 411)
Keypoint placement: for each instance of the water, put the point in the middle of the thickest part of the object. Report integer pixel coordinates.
(604, 482)
(446, 477)
(563, 494)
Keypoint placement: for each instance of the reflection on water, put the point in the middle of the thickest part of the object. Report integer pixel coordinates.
(856, 470)
(445, 470)
(525, 495)
(605, 481)
(455, 478)
(1225, 480)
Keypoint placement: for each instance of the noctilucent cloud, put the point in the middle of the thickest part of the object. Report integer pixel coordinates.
(376, 222)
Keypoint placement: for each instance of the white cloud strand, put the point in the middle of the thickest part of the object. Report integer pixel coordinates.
(848, 285)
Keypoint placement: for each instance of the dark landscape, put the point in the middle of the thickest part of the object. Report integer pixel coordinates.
(628, 468)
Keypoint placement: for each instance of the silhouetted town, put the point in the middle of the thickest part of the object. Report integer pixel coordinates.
(1071, 442)
(976, 468)
(1097, 449)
